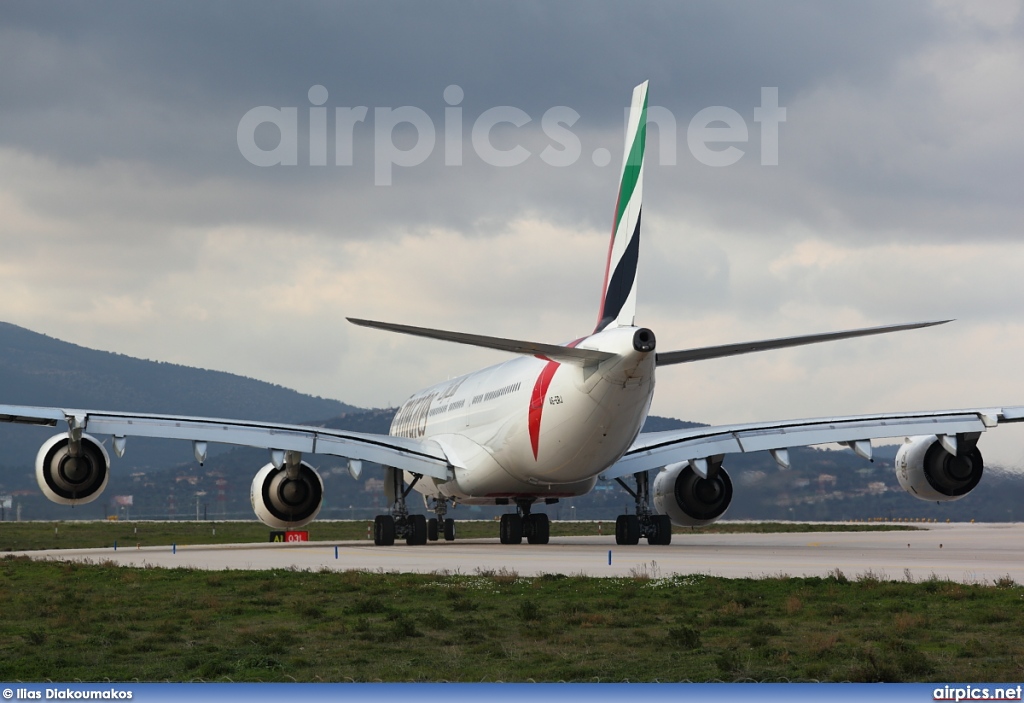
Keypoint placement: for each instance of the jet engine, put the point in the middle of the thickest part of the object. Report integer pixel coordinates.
(72, 477)
(284, 503)
(927, 471)
(688, 499)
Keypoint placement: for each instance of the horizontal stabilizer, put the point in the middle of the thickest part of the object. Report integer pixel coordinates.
(583, 357)
(687, 355)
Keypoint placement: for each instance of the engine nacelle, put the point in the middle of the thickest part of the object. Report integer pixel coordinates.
(283, 503)
(72, 480)
(927, 471)
(688, 499)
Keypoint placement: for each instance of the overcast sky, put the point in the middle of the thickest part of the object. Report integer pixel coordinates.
(132, 221)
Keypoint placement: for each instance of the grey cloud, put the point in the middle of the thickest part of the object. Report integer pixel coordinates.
(165, 79)
(163, 85)
(523, 51)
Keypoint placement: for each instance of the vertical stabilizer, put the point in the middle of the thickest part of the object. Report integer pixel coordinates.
(618, 297)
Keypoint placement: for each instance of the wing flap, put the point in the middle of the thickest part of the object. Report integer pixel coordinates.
(1013, 414)
(28, 415)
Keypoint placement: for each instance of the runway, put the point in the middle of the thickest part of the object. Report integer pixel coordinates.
(975, 553)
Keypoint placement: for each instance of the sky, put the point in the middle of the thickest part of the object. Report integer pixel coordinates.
(138, 212)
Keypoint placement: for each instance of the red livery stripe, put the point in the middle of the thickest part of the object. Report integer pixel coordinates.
(540, 392)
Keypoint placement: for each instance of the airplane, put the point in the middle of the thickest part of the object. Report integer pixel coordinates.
(547, 424)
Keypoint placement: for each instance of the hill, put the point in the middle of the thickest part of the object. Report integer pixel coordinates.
(36, 369)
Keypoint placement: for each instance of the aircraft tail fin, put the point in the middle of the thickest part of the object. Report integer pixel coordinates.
(618, 295)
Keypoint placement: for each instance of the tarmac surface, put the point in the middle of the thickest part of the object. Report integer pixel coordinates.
(972, 553)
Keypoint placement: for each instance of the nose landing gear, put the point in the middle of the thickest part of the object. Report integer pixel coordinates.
(440, 526)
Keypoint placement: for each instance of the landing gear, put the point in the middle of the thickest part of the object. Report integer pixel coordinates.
(440, 526)
(399, 523)
(662, 530)
(510, 529)
(443, 528)
(536, 527)
(416, 532)
(630, 528)
(627, 529)
(384, 530)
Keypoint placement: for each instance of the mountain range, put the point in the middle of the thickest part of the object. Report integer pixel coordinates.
(36, 369)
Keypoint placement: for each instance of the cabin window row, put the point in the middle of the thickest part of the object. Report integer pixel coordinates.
(497, 393)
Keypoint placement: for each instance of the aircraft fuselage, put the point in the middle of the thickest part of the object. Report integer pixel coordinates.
(532, 426)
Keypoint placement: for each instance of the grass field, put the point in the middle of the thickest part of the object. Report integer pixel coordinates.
(17, 536)
(65, 622)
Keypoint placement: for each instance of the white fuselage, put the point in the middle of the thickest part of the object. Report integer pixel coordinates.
(532, 427)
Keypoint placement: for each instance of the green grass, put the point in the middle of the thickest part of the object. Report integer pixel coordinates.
(67, 621)
(18, 536)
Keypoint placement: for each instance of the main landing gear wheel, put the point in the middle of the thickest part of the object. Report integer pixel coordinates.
(514, 526)
(384, 531)
(662, 533)
(449, 530)
(627, 529)
(432, 529)
(537, 528)
(417, 532)
(510, 529)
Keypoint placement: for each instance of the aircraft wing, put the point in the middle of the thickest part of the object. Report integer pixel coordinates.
(417, 456)
(654, 450)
